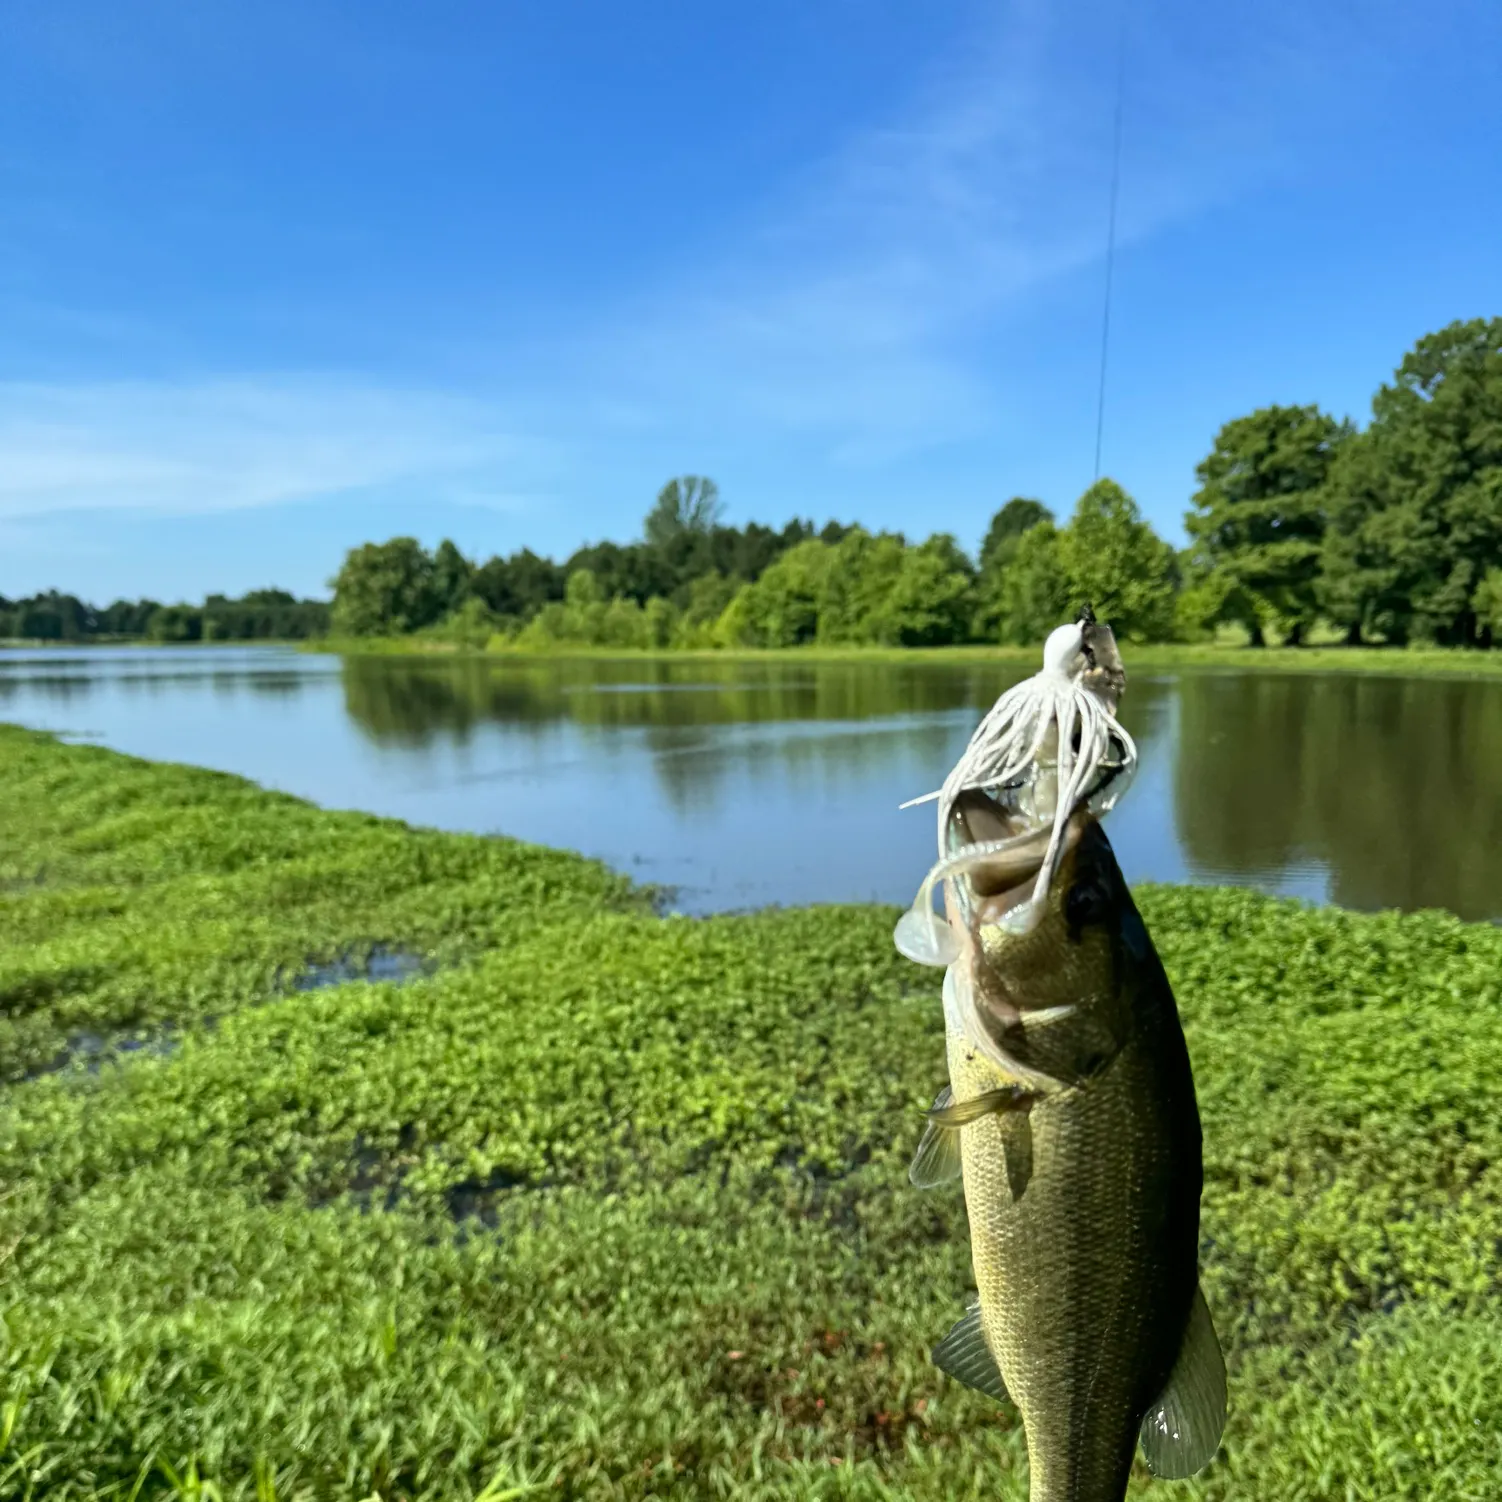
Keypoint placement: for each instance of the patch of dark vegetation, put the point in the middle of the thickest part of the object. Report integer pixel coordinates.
(861, 1407)
(31, 992)
(478, 1199)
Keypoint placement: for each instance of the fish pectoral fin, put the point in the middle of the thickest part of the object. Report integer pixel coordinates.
(964, 1355)
(937, 1160)
(1181, 1429)
(1007, 1098)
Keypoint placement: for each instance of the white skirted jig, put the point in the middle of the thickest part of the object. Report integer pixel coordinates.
(1032, 724)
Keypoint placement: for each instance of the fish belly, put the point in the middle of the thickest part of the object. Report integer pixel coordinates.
(1085, 1277)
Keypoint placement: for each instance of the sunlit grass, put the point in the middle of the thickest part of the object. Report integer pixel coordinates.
(616, 1205)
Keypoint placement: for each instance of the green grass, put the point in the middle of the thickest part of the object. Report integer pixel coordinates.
(615, 1205)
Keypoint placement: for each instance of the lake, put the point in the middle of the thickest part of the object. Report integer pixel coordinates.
(744, 783)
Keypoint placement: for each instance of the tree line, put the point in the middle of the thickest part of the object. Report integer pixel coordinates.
(261, 615)
(691, 581)
(1391, 533)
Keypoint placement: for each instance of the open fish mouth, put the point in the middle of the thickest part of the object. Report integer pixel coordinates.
(1049, 755)
(1015, 848)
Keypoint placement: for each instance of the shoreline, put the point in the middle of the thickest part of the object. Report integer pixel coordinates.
(1396, 661)
(1447, 662)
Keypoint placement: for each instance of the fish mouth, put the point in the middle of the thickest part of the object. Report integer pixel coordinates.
(1003, 879)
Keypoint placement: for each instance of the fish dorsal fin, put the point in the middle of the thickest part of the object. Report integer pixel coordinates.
(1181, 1429)
(964, 1355)
(937, 1160)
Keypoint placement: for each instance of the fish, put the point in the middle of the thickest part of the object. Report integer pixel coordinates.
(1071, 1120)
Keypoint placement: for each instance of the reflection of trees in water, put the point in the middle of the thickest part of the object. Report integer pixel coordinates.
(1241, 771)
(58, 688)
(415, 702)
(682, 709)
(1393, 784)
(817, 761)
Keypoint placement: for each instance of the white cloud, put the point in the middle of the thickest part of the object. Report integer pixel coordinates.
(872, 308)
(851, 309)
(230, 444)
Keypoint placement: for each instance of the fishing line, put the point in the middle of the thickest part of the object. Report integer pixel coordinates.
(1105, 320)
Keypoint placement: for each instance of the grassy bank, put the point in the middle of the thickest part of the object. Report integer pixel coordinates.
(1161, 657)
(613, 1205)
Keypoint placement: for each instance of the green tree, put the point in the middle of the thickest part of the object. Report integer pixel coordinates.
(1033, 594)
(708, 597)
(660, 622)
(782, 608)
(472, 624)
(385, 588)
(854, 588)
(1415, 509)
(1259, 516)
(1115, 560)
(519, 586)
(452, 573)
(689, 503)
(1019, 515)
(930, 600)
(175, 623)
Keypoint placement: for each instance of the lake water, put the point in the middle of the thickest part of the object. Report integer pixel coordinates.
(746, 783)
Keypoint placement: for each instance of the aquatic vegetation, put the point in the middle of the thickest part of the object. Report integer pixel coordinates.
(610, 1204)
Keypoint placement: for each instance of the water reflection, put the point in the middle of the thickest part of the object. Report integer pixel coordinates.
(752, 782)
(799, 728)
(1394, 785)
(412, 702)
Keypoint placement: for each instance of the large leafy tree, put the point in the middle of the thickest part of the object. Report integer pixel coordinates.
(998, 551)
(1415, 511)
(1019, 515)
(1033, 591)
(385, 587)
(452, 573)
(782, 608)
(931, 600)
(689, 503)
(518, 586)
(1114, 559)
(1258, 522)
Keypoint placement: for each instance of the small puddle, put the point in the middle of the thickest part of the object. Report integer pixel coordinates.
(89, 1051)
(383, 964)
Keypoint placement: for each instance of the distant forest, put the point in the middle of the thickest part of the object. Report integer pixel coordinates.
(263, 614)
(1391, 533)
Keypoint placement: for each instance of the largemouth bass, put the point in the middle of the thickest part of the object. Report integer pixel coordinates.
(1071, 1118)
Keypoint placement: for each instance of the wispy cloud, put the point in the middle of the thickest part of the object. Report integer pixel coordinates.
(872, 306)
(227, 445)
(849, 309)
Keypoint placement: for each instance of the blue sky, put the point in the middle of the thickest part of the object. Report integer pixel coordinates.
(279, 278)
